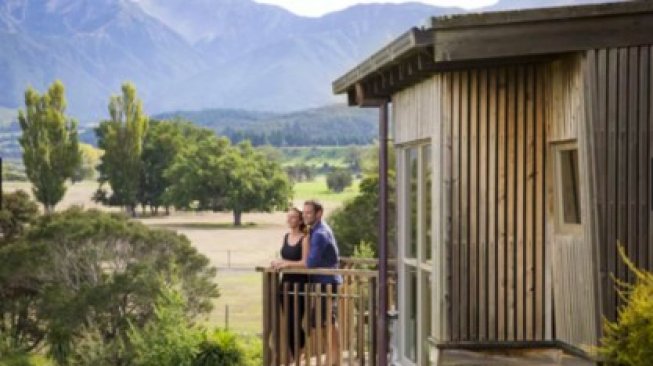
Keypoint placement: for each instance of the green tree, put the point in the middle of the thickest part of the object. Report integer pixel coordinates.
(215, 175)
(90, 159)
(18, 211)
(197, 175)
(50, 144)
(121, 138)
(357, 221)
(254, 182)
(339, 179)
(87, 274)
(163, 142)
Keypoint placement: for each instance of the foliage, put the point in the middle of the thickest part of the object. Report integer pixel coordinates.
(18, 211)
(358, 219)
(300, 172)
(90, 160)
(121, 137)
(215, 175)
(168, 339)
(82, 278)
(339, 179)
(50, 144)
(363, 250)
(163, 142)
(629, 340)
(220, 348)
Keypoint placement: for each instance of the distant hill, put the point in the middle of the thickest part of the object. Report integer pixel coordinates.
(335, 125)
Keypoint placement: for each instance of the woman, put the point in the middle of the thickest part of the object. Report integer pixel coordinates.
(293, 255)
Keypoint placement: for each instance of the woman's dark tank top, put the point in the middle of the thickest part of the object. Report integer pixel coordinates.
(292, 253)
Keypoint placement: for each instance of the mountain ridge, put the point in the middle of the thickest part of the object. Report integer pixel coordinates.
(194, 55)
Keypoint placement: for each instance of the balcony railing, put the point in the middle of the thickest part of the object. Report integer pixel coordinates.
(296, 326)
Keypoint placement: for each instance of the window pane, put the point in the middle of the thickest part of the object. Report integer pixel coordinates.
(411, 205)
(410, 329)
(425, 319)
(570, 190)
(427, 169)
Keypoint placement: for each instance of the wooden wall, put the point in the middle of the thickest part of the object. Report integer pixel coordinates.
(619, 112)
(505, 271)
(571, 252)
(494, 122)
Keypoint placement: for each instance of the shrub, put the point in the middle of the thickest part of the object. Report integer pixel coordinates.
(18, 211)
(78, 279)
(629, 340)
(168, 339)
(339, 179)
(220, 348)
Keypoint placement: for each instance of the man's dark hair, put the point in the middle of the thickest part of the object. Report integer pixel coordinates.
(317, 207)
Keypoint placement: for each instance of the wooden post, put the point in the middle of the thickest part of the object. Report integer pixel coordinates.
(382, 334)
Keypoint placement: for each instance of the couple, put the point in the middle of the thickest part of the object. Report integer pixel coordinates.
(310, 243)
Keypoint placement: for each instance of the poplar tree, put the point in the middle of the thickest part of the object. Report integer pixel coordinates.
(50, 144)
(121, 137)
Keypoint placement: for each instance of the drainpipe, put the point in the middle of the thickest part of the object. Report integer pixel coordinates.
(382, 322)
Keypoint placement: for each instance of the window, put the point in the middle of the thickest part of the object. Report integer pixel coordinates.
(428, 184)
(567, 186)
(413, 170)
(416, 241)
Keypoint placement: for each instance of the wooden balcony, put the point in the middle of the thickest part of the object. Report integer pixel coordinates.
(352, 335)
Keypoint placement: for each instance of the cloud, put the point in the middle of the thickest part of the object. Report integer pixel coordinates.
(320, 7)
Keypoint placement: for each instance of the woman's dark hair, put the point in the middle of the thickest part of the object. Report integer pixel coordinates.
(302, 224)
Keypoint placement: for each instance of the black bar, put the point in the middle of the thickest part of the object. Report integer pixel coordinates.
(382, 328)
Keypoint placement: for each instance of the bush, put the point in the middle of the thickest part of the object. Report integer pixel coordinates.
(629, 340)
(339, 179)
(18, 211)
(80, 280)
(168, 339)
(220, 348)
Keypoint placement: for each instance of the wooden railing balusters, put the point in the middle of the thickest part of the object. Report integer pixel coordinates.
(356, 322)
(318, 324)
(296, 325)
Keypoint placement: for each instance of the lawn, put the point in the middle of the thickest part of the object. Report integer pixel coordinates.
(241, 292)
(317, 189)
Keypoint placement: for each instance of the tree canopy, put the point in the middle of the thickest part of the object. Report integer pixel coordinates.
(121, 137)
(213, 174)
(79, 274)
(50, 144)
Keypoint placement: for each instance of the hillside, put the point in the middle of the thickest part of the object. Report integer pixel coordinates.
(194, 55)
(334, 125)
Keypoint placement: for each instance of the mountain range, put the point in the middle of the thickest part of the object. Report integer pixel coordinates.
(193, 54)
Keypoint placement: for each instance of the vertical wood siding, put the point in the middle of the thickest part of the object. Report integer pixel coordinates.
(571, 252)
(619, 100)
(495, 121)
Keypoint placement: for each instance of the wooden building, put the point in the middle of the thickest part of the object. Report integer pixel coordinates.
(525, 158)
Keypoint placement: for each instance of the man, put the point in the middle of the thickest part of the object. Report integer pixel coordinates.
(324, 253)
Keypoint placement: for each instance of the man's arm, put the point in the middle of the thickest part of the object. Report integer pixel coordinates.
(318, 243)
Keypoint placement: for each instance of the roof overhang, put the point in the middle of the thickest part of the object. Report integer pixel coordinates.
(481, 39)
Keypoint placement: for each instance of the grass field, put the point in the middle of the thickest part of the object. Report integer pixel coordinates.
(234, 251)
(317, 189)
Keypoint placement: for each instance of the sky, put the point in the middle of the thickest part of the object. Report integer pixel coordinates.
(316, 8)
